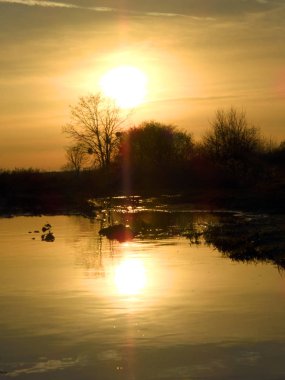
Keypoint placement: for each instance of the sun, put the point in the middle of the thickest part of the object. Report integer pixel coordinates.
(127, 85)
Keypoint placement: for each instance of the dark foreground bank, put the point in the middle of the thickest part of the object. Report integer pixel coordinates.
(34, 192)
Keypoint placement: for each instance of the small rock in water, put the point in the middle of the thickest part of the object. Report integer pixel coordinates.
(117, 232)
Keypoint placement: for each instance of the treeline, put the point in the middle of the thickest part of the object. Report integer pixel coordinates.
(154, 157)
(232, 166)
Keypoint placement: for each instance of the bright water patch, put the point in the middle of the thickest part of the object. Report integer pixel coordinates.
(156, 307)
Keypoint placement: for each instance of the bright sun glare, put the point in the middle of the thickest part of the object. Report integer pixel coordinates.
(126, 85)
(130, 277)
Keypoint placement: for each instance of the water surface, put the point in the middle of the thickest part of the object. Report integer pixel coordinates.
(157, 307)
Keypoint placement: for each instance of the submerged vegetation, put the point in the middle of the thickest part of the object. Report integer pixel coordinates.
(254, 238)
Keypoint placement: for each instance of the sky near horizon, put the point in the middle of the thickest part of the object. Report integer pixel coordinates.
(198, 56)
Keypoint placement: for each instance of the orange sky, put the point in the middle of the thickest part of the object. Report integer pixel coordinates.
(198, 56)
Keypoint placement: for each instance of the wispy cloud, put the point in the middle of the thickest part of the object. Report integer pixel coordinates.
(182, 8)
(131, 11)
(46, 366)
(39, 3)
(53, 4)
(102, 9)
(163, 14)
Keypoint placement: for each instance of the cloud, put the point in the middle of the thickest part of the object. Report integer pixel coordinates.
(45, 366)
(135, 9)
(53, 4)
(162, 14)
(39, 3)
(190, 8)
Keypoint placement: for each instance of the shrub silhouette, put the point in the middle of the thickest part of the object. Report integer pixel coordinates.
(154, 154)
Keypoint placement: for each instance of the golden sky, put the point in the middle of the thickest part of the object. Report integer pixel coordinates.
(198, 56)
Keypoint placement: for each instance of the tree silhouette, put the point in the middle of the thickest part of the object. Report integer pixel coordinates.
(76, 157)
(231, 137)
(95, 124)
(234, 144)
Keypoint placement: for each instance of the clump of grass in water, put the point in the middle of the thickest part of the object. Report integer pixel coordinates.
(47, 235)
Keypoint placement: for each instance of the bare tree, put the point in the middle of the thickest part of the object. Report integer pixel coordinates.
(234, 145)
(95, 125)
(231, 137)
(76, 157)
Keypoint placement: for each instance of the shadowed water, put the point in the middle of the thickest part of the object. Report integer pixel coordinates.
(165, 305)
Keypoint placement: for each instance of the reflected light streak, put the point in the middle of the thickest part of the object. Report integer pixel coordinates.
(130, 277)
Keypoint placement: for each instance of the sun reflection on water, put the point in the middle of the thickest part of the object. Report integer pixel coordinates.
(130, 277)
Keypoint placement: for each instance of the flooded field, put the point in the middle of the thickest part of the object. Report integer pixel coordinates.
(192, 296)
